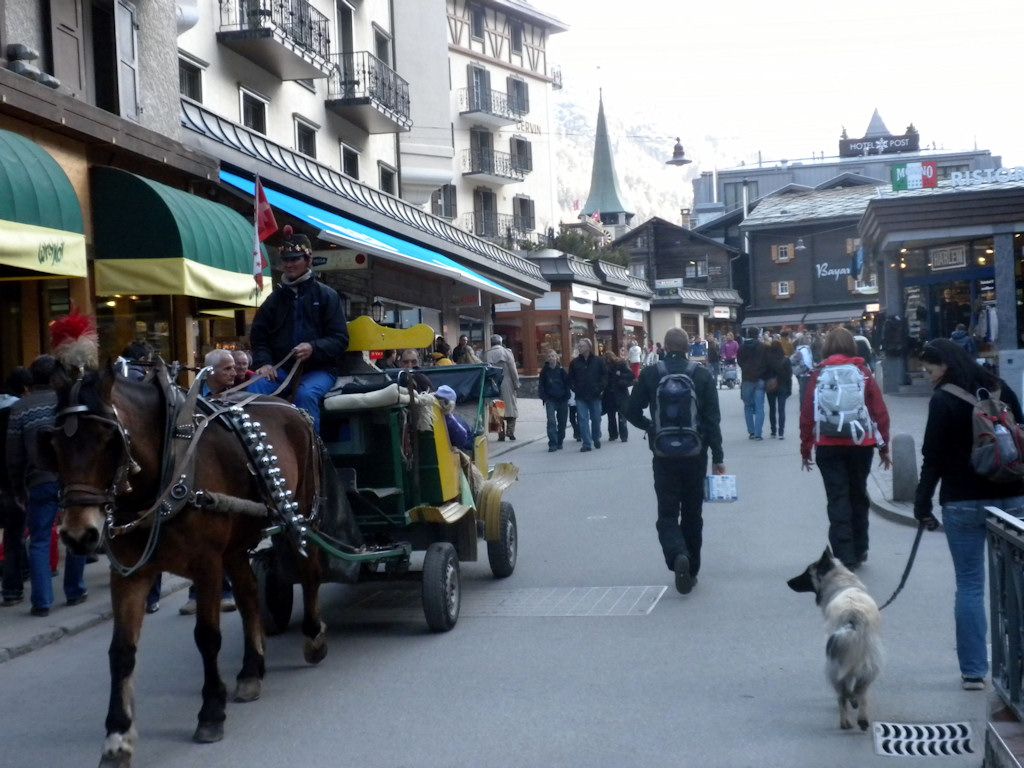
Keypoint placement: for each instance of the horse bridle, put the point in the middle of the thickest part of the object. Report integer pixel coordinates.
(83, 494)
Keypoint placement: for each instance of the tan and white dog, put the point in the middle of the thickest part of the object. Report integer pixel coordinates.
(853, 652)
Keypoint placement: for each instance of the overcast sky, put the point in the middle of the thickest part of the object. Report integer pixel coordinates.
(732, 77)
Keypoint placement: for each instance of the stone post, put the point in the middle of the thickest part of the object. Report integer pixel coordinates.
(904, 468)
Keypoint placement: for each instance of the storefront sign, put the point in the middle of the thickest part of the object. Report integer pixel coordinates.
(953, 257)
(339, 259)
(720, 313)
(550, 300)
(673, 282)
(986, 176)
(872, 308)
(914, 176)
(582, 305)
(508, 306)
(632, 316)
(584, 292)
(640, 305)
(615, 299)
(881, 145)
(826, 271)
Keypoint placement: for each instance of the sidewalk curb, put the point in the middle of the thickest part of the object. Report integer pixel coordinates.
(80, 624)
(887, 510)
(519, 444)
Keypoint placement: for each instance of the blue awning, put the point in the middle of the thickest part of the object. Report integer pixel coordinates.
(338, 229)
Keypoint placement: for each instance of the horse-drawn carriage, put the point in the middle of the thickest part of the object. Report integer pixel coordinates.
(408, 488)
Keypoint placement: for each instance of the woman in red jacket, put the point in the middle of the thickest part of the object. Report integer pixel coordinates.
(844, 419)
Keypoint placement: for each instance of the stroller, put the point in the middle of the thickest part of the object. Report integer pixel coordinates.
(730, 374)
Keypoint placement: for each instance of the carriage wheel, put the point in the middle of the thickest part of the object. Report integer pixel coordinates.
(442, 590)
(276, 594)
(501, 554)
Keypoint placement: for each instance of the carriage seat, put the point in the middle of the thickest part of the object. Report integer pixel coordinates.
(386, 397)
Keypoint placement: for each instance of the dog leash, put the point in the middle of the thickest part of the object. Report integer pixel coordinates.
(910, 564)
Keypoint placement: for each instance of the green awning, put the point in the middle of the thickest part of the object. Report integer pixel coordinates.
(41, 228)
(157, 240)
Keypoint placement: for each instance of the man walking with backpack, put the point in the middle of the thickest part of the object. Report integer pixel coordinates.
(683, 401)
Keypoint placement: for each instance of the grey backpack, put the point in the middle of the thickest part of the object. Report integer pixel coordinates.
(840, 409)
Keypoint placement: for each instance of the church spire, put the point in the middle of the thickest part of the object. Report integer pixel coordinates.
(605, 197)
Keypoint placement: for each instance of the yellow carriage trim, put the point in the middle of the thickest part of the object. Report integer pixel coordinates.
(448, 466)
(445, 514)
(365, 335)
(488, 506)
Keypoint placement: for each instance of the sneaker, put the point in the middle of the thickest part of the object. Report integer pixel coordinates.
(750, 436)
(227, 604)
(11, 601)
(781, 436)
(972, 683)
(78, 600)
(552, 448)
(189, 608)
(758, 437)
(597, 444)
(585, 449)
(36, 611)
(773, 435)
(684, 581)
(152, 607)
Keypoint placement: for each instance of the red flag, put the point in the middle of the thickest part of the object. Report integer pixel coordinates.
(264, 225)
(596, 217)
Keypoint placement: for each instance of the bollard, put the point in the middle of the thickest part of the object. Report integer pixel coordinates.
(904, 468)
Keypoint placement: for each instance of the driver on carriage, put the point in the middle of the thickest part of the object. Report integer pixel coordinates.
(304, 317)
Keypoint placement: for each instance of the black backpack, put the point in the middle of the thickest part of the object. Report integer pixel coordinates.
(676, 414)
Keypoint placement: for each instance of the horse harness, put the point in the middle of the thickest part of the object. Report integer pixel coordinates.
(188, 416)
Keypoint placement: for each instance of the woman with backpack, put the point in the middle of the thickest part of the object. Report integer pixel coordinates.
(616, 395)
(782, 373)
(844, 419)
(964, 493)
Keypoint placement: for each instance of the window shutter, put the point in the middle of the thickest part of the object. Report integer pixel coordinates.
(532, 223)
(792, 288)
(127, 59)
(525, 96)
(453, 200)
(435, 202)
(529, 156)
(775, 258)
(67, 46)
(513, 150)
(792, 251)
(775, 287)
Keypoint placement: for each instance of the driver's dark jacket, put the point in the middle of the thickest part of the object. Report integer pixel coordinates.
(645, 394)
(323, 326)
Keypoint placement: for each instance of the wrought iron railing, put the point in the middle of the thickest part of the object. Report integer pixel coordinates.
(359, 75)
(296, 20)
(491, 102)
(1006, 607)
(503, 229)
(491, 162)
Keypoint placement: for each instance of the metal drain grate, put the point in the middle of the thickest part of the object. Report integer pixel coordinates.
(923, 739)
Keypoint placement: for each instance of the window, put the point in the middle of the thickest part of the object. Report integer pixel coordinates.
(522, 213)
(388, 178)
(476, 21)
(517, 37)
(783, 289)
(638, 269)
(732, 193)
(443, 202)
(697, 269)
(305, 138)
(254, 111)
(782, 254)
(382, 45)
(190, 80)
(522, 154)
(518, 95)
(350, 162)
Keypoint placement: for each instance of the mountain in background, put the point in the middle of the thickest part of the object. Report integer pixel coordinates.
(649, 187)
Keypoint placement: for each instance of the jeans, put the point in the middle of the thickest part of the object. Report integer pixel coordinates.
(41, 512)
(590, 420)
(777, 402)
(844, 470)
(312, 387)
(15, 553)
(752, 395)
(557, 410)
(574, 422)
(679, 485)
(964, 523)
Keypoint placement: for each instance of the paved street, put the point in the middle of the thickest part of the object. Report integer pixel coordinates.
(730, 675)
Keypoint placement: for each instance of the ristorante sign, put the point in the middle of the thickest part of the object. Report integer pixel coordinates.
(879, 145)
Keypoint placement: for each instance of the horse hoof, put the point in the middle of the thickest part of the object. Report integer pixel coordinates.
(248, 690)
(315, 650)
(117, 751)
(208, 733)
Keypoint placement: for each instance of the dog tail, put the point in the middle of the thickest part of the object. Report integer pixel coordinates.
(854, 656)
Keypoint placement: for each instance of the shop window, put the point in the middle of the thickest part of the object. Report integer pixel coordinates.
(388, 178)
(549, 337)
(254, 111)
(783, 253)
(305, 138)
(443, 202)
(350, 162)
(190, 80)
(689, 324)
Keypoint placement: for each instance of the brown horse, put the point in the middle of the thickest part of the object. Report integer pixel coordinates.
(107, 448)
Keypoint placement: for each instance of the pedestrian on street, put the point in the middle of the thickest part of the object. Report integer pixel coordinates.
(553, 390)
(781, 372)
(635, 358)
(844, 441)
(714, 359)
(616, 395)
(306, 319)
(502, 357)
(587, 379)
(651, 358)
(37, 489)
(801, 362)
(753, 360)
(679, 481)
(12, 513)
(963, 494)
(730, 348)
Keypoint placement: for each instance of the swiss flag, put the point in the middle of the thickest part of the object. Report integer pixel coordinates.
(264, 225)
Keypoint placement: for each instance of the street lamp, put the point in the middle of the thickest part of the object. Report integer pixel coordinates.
(678, 155)
(377, 311)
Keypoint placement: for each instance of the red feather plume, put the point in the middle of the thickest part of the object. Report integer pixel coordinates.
(73, 340)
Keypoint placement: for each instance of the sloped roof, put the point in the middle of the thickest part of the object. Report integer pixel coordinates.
(850, 180)
(693, 234)
(612, 274)
(605, 197)
(526, 10)
(814, 205)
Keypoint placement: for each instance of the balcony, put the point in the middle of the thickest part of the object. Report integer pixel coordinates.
(288, 38)
(368, 93)
(511, 232)
(489, 107)
(491, 166)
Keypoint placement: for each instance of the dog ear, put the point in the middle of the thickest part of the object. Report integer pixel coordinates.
(802, 583)
(826, 558)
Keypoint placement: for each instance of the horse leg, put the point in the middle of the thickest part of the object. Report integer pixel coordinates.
(128, 597)
(247, 599)
(314, 648)
(208, 640)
